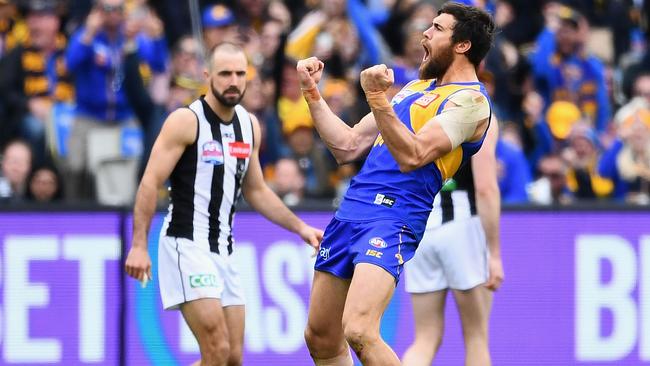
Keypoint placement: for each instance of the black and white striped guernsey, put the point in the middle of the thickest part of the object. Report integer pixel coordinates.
(207, 180)
(456, 200)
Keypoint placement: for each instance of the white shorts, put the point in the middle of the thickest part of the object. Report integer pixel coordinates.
(453, 255)
(188, 270)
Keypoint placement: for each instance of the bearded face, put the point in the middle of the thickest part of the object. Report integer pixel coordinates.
(435, 65)
(438, 47)
(229, 97)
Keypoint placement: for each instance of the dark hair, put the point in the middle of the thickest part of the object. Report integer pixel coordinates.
(58, 194)
(474, 25)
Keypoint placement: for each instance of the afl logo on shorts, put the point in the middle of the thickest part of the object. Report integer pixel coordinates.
(212, 153)
(378, 242)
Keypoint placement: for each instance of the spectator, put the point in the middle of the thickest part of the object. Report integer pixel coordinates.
(633, 160)
(513, 171)
(271, 38)
(311, 157)
(35, 77)
(219, 26)
(636, 110)
(16, 164)
(298, 130)
(288, 181)
(582, 158)
(12, 31)
(563, 71)
(187, 80)
(96, 56)
(257, 101)
(406, 67)
(551, 186)
(44, 185)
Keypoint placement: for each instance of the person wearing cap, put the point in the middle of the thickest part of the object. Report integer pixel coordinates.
(563, 71)
(96, 56)
(219, 26)
(35, 76)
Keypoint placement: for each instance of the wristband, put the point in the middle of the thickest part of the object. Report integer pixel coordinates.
(377, 100)
(311, 95)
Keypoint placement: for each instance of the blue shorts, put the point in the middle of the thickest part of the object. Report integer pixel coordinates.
(385, 243)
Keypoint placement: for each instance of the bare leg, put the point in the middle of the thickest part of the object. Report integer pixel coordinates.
(324, 332)
(429, 317)
(206, 319)
(369, 294)
(235, 317)
(474, 307)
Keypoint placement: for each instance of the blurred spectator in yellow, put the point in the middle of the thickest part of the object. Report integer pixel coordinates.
(44, 185)
(339, 95)
(563, 70)
(13, 31)
(288, 181)
(310, 155)
(16, 164)
(582, 158)
(105, 141)
(219, 25)
(35, 77)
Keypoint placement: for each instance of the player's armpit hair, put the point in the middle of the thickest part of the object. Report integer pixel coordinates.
(460, 121)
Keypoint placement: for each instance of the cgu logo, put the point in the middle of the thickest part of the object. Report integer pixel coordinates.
(203, 280)
(324, 253)
(378, 242)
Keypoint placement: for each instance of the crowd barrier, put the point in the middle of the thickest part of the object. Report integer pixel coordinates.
(577, 292)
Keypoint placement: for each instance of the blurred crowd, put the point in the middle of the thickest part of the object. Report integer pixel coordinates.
(86, 85)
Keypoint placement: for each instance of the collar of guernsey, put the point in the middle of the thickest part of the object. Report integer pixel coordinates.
(380, 190)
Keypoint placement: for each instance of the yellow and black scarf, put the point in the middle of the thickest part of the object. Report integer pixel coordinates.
(37, 83)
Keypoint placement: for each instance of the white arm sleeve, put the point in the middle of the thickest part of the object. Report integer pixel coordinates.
(460, 121)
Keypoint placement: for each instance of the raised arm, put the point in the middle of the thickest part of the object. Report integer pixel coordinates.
(258, 194)
(464, 118)
(346, 143)
(178, 132)
(488, 201)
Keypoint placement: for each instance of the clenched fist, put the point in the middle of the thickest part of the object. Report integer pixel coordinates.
(377, 79)
(310, 71)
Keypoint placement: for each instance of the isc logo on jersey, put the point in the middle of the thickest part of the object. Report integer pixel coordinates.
(378, 242)
(212, 153)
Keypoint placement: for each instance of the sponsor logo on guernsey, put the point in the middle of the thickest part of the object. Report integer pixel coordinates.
(426, 99)
(378, 242)
(403, 94)
(203, 280)
(374, 253)
(240, 150)
(212, 153)
(383, 200)
(324, 253)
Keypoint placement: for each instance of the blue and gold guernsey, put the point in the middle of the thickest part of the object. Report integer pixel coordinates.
(380, 190)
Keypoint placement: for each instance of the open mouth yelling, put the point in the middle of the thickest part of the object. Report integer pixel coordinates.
(425, 58)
